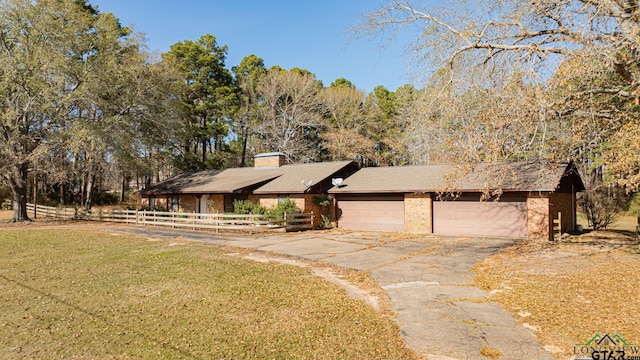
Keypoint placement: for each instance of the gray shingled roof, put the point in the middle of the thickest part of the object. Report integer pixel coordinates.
(507, 176)
(285, 179)
(294, 177)
(213, 181)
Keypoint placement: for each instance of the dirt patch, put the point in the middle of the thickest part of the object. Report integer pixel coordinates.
(567, 292)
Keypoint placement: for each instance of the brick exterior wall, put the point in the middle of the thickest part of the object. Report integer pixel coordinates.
(254, 198)
(310, 206)
(270, 201)
(418, 213)
(300, 200)
(159, 202)
(188, 203)
(267, 201)
(538, 221)
(269, 160)
(563, 203)
(215, 204)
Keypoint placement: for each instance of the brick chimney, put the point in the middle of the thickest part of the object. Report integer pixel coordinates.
(269, 160)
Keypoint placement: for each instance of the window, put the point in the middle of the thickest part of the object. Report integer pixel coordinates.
(152, 203)
(282, 198)
(229, 200)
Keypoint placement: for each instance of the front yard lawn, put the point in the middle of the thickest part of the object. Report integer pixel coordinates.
(92, 294)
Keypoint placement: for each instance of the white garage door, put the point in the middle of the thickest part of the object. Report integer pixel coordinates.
(371, 212)
(468, 215)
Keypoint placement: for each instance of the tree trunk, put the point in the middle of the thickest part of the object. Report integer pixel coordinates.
(62, 193)
(204, 151)
(35, 191)
(91, 178)
(123, 188)
(244, 146)
(18, 183)
(83, 182)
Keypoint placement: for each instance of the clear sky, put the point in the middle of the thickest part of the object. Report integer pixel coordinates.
(313, 35)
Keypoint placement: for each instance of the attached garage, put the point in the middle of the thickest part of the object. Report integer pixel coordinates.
(468, 215)
(407, 198)
(371, 212)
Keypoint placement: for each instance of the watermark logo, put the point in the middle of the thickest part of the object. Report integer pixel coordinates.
(606, 347)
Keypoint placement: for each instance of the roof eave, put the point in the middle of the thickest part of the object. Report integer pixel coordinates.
(406, 191)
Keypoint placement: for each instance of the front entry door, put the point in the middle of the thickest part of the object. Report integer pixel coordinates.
(203, 204)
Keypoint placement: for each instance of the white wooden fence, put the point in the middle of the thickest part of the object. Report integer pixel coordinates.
(290, 222)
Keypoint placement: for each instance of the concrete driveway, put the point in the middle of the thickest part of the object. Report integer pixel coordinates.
(428, 279)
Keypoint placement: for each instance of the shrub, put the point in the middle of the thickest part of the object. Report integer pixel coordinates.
(601, 205)
(105, 198)
(324, 202)
(634, 205)
(245, 207)
(160, 208)
(287, 206)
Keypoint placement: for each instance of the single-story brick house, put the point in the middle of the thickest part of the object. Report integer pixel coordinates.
(267, 183)
(448, 199)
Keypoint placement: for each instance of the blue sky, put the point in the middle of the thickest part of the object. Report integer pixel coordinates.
(314, 35)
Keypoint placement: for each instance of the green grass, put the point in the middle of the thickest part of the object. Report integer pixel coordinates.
(80, 294)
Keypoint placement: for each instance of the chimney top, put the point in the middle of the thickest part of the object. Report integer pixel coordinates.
(269, 160)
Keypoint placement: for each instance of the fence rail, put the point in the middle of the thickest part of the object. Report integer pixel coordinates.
(195, 221)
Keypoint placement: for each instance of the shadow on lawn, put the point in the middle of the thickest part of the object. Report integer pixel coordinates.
(607, 238)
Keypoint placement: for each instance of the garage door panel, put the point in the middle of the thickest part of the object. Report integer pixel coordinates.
(371, 213)
(506, 217)
(372, 208)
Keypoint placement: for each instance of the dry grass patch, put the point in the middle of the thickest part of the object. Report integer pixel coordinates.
(6, 215)
(90, 294)
(568, 292)
(490, 353)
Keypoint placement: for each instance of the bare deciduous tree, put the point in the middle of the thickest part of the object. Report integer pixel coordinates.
(289, 115)
(348, 133)
(581, 59)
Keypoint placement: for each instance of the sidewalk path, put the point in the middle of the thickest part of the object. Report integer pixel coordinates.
(442, 316)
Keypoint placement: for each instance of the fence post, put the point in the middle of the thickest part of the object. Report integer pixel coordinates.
(173, 219)
(194, 220)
